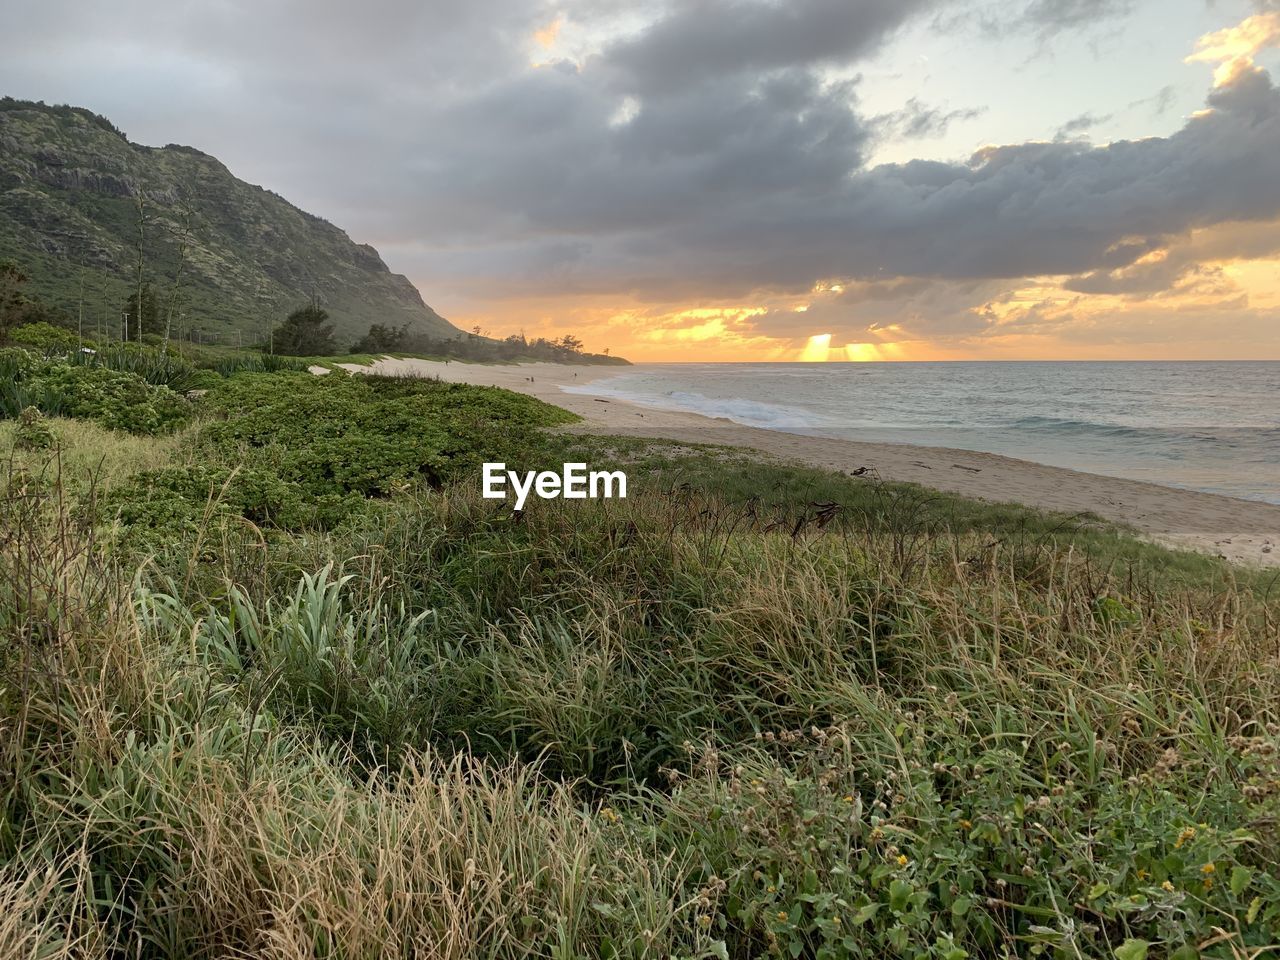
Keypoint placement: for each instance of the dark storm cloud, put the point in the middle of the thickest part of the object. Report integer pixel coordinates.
(707, 154)
(719, 38)
(1013, 211)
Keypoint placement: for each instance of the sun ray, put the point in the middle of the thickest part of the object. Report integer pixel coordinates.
(817, 349)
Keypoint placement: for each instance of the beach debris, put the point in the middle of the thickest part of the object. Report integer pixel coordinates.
(861, 471)
(961, 466)
(921, 463)
(598, 400)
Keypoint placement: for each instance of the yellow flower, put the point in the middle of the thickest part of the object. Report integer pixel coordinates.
(848, 798)
(1188, 833)
(1167, 886)
(902, 860)
(835, 921)
(1208, 883)
(782, 914)
(877, 834)
(966, 825)
(609, 815)
(1142, 874)
(772, 888)
(1207, 869)
(704, 920)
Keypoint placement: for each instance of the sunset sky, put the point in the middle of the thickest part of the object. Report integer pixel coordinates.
(743, 179)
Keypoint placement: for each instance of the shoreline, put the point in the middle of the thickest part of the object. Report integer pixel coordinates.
(1243, 531)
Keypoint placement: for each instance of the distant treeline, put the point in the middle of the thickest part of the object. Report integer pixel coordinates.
(307, 332)
(474, 347)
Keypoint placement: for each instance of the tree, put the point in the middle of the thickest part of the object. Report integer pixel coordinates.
(17, 308)
(571, 343)
(12, 300)
(381, 339)
(145, 318)
(306, 332)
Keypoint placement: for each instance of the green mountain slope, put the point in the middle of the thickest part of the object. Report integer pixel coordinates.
(69, 189)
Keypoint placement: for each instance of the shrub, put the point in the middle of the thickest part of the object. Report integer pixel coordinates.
(372, 435)
(45, 337)
(16, 364)
(119, 401)
(176, 504)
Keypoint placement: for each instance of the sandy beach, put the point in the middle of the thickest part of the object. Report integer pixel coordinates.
(1238, 530)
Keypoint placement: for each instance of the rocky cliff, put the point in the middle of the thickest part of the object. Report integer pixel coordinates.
(235, 257)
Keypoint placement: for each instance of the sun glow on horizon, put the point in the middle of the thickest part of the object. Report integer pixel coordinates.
(817, 349)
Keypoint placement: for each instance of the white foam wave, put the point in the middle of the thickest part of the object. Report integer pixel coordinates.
(750, 413)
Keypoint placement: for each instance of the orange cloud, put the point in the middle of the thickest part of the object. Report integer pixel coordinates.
(547, 36)
(1235, 47)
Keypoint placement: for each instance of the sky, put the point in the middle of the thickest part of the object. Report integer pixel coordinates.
(742, 179)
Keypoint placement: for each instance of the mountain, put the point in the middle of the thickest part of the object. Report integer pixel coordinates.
(70, 184)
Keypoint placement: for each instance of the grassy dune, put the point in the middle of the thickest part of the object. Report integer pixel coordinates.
(346, 708)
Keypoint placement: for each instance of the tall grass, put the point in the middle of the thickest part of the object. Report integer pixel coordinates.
(676, 725)
(255, 363)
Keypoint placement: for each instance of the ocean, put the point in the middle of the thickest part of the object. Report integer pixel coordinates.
(1200, 425)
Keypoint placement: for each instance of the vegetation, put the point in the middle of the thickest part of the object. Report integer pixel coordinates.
(92, 217)
(306, 332)
(476, 348)
(115, 399)
(17, 306)
(284, 685)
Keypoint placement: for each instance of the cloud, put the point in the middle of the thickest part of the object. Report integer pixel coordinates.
(1187, 263)
(1160, 101)
(718, 39)
(1011, 211)
(1234, 48)
(918, 121)
(704, 151)
(1043, 19)
(1080, 124)
(1054, 15)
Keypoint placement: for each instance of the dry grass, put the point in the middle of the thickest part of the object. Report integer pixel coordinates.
(670, 726)
(90, 455)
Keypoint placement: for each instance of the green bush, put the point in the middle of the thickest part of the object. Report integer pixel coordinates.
(45, 337)
(371, 435)
(119, 401)
(312, 449)
(16, 364)
(176, 504)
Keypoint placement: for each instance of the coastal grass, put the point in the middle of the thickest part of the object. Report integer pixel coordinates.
(91, 456)
(751, 710)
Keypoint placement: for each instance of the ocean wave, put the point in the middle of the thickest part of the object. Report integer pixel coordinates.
(1227, 436)
(750, 413)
